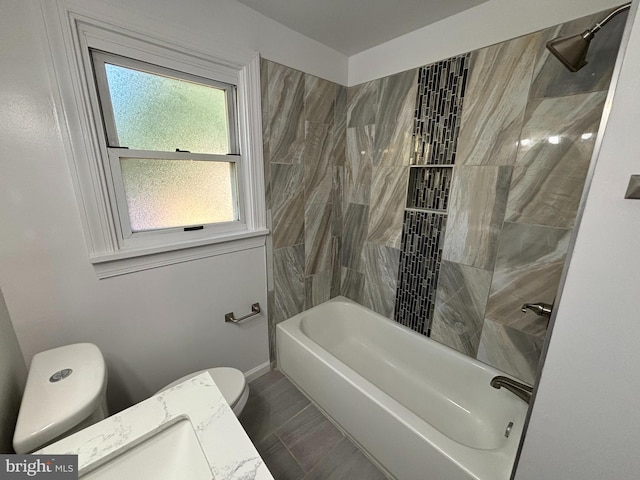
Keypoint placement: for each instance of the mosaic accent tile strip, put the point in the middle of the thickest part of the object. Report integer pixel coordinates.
(441, 88)
(420, 259)
(429, 188)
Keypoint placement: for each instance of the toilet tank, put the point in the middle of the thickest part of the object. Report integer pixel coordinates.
(65, 392)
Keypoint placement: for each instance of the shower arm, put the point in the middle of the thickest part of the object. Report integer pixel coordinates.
(589, 33)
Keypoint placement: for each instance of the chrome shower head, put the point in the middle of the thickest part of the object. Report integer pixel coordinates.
(572, 50)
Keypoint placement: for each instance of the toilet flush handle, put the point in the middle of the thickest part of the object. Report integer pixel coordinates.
(255, 310)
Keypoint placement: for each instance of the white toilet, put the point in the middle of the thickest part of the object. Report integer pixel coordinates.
(231, 382)
(66, 392)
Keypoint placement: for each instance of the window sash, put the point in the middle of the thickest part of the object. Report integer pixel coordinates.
(120, 207)
(100, 58)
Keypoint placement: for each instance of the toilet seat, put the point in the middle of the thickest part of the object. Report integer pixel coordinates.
(230, 381)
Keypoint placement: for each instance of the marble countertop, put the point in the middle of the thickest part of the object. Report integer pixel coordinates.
(228, 450)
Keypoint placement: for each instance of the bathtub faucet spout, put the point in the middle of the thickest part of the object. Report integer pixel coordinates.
(522, 390)
(542, 309)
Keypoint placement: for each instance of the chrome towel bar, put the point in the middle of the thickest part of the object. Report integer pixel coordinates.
(255, 310)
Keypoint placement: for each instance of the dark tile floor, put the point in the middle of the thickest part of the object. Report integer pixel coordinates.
(294, 438)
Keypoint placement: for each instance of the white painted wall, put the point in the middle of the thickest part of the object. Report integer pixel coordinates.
(156, 325)
(13, 376)
(585, 422)
(491, 22)
(229, 25)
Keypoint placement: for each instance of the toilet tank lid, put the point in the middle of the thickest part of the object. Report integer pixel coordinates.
(65, 385)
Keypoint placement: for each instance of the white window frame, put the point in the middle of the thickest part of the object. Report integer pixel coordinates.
(72, 33)
(115, 151)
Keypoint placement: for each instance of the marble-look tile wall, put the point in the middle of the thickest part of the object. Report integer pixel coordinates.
(304, 134)
(526, 139)
(521, 156)
(337, 175)
(375, 175)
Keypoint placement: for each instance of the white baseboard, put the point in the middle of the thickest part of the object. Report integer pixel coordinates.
(258, 371)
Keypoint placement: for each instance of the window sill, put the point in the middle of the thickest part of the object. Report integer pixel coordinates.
(135, 260)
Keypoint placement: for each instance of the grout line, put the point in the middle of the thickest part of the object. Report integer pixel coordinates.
(295, 459)
(286, 447)
(277, 427)
(294, 416)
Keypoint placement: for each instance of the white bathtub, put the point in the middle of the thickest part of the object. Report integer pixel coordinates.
(422, 410)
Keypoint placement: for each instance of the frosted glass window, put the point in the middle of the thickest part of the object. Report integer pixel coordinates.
(152, 115)
(176, 193)
(156, 112)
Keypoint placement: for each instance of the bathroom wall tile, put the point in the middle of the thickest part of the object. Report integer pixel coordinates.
(510, 350)
(552, 79)
(356, 218)
(358, 166)
(279, 461)
(337, 200)
(495, 101)
(317, 289)
(267, 175)
(528, 268)
(340, 127)
(318, 167)
(317, 238)
(362, 104)
(288, 234)
(380, 278)
(543, 56)
(460, 303)
(286, 114)
(440, 96)
(271, 298)
(388, 198)
(553, 159)
(394, 119)
(288, 192)
(269, 251)
(420, 258)
(304, 132)
(288, 266)
(352, 285)
(264, 92)
(345, 461)
(336, 266)
(319, 99)
(288, 204)
(309, 436)
(271, 327)
(476, 212)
